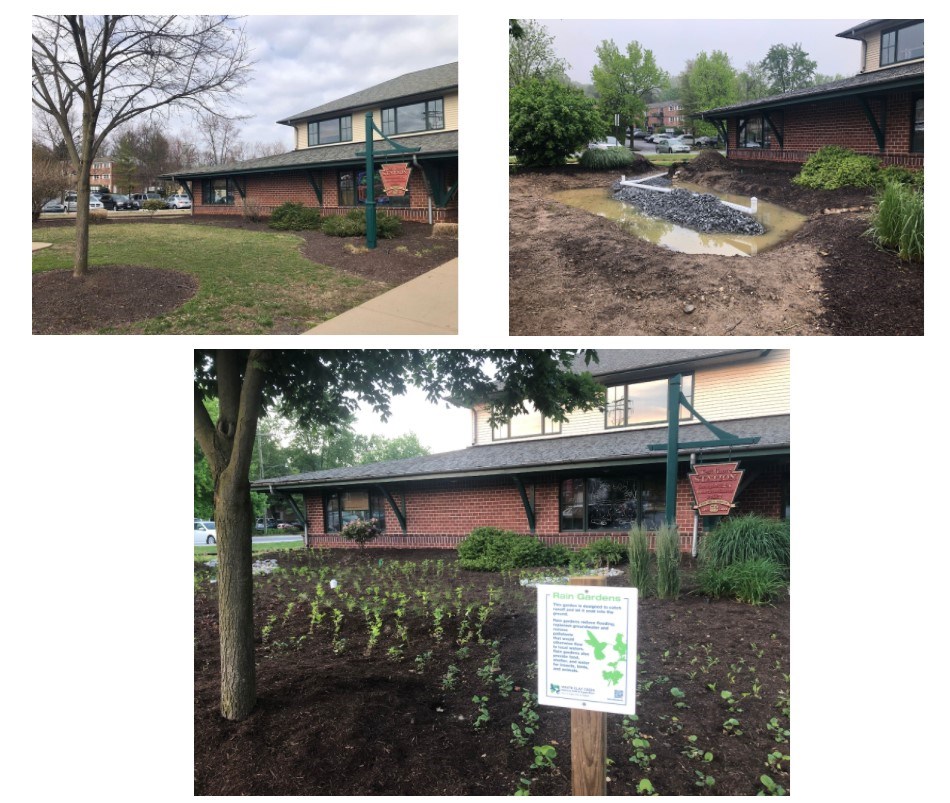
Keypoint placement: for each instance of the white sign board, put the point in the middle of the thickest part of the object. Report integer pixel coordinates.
(587, 647)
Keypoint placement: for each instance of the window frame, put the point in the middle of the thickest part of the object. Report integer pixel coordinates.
(545, 422)
(230, 191)
(914, 100)
(626, 403)
(376, 501)
(896, 46)
(346, 131)
(391, 126)
(638, 481)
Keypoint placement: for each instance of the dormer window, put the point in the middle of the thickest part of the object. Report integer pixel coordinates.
(426, 115)
(643, 403)
(902, 44)
(526, 425)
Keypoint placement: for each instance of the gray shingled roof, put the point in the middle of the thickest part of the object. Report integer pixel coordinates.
(616, 361)
(421, 82)
(878, 79)
(624, 447)
(432, 144)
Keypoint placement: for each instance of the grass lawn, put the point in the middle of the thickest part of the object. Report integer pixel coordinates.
(666, 159)
(249, 282)
(203, 553)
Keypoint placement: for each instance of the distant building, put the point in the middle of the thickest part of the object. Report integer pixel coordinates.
(880, 111)
(667, 114)
(101, 175)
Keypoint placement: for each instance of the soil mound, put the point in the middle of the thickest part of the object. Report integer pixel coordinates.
(707, 161)
(108, 295)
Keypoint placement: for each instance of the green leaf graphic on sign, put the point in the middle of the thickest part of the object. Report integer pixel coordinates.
(599, 646)
(612, 677)
(620, 648)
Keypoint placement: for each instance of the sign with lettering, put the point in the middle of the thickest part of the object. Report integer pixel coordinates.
(587, 647)
(714, 487)
(395, 178)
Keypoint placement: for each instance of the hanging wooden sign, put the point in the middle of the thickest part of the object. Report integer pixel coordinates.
(395, 178)
(714, 487)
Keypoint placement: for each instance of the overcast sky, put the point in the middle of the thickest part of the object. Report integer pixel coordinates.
(305, 61)
(441, 428)
(675, 41)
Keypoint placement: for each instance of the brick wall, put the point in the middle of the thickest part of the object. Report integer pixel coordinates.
(442, 513)
(842, 121)
(266, 191)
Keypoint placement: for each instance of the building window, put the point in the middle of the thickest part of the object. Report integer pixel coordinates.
(917, 129)
(643, 403)
(902, 44)
(526, 425)
(326, 132)
(352, 190)
(753, 132)
(340, 508)
(424, 116)
(613, 503)
(218, 191)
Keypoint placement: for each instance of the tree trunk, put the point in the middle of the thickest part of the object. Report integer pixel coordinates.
(235, 520)
(81, 262)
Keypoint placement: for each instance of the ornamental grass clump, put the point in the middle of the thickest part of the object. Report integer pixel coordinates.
(668, 562)
(897, 221)
(638, 552)
(742, 538)
(607, 158)
(600, 553)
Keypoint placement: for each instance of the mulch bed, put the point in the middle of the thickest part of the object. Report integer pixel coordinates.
(123, 294)
(358, 724)
(108, 295)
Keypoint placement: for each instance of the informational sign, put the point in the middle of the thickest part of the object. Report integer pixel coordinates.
(714, 487)
(395, 178)
(587, 647)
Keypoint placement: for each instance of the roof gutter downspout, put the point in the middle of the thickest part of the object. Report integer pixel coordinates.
(692, 465)
(415, 163)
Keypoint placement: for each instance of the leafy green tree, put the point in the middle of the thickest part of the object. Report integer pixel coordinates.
(625, 81)
(752, 82)
(821, 78)
(788, 68)
(378, 448)
(548, 121)
(708, 82)
(324, 388)
(532, 55)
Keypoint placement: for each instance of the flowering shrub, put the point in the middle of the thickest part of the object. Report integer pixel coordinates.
(361, 531)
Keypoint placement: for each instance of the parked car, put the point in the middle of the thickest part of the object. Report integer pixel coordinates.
(113, 202)
(288, 525)
(706, 142)
(95, 203)
(602, 145)
(261, 524)
(54, 205)
(638, 134)
(178, 202)
(141, 197)
(205, 533)
(672, 145)
(69, 201)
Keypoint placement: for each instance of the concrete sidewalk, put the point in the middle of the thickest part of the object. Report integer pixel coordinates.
(427, 305)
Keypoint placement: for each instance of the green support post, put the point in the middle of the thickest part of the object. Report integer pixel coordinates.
(370, 185)
(672, 446)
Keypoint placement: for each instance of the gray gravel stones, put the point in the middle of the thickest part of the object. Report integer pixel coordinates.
(699, 212)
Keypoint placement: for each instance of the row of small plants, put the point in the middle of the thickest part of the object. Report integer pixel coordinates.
(297, 217)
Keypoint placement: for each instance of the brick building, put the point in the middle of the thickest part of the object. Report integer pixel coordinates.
(880, 111)
(589, 477)
(327, 168)
(665, 114)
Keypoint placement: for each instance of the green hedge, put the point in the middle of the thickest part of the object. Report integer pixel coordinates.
(294, 217)
(492, 549)
(353, 224)
(834, 167)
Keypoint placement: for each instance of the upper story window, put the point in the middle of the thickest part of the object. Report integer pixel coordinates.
(902, 44)
(643, 403)
(526, 425)
(326, 132)
(427, 115)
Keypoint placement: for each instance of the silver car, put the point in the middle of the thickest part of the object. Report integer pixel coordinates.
(205, 533)
(178, 202)
(672, 145)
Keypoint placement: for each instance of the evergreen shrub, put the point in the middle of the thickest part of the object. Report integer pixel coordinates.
(493, 549)
(294, 217)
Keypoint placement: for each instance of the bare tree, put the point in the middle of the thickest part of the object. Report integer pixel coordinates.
(49, 177)
(107, 70)
(221, 137)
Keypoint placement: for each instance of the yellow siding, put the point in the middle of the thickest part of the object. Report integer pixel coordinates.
(872, 58)
(450, 108)
(743, 390)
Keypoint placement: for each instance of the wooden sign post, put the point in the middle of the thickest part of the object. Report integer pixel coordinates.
(588, 737)
(587, 648)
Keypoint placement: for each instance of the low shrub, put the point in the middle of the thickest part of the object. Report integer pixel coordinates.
(901, 175)
(252, 211)
(98, 216)
(603, 552)
(447, 230)
(607, 159)
(638, 552)
(294, 217)
(493, 549)
(741, 538)
(668, 562)
(361, 531)
(834, 167)
(153, 205)
(898, 221)
(353, 224)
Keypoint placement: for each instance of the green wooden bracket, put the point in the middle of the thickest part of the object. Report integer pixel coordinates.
(528, 509)
(399, 513)
(722, 129)
(879, 130)
(241, 186)
(316, 182)
(293, 504)
(778, 136)
(740, 127)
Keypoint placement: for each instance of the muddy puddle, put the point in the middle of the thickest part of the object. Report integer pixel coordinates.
(780, 223)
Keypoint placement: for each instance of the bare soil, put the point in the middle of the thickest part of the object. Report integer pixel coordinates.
(116, 294)
(359, 721)
(572, 272)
